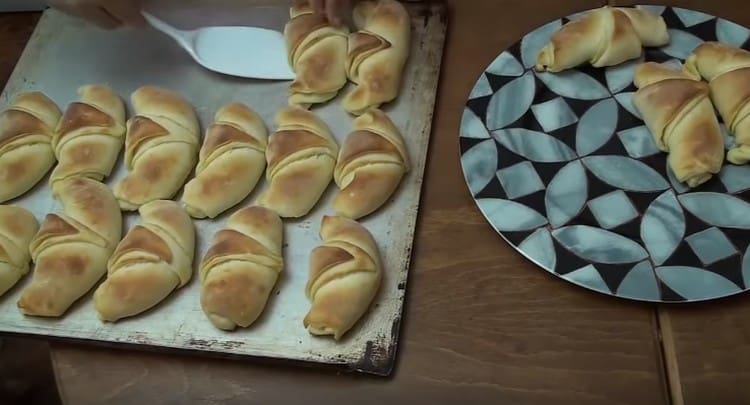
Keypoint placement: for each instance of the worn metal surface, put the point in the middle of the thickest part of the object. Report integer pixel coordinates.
(63, 55)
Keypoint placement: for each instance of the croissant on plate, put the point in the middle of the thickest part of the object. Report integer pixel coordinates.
(345, 275)
(677, 110)
(89, 137)
(241, 267)
(301, 155)
(370, 166)
(27, 126)
(161, 147)
(606, 36)
(71, 249)
(727, 70)
(153, 259)
(377, 54)
(17, 227)
(317, 54)
(231, 161)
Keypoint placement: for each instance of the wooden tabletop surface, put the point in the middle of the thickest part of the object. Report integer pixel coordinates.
(480, 323)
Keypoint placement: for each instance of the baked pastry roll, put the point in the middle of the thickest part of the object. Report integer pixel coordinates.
(153, 259)
(677, 110)
(345, 275)
(301, 155)
(606, 36)
(241, 267)
(17, 227)
(89, 137)
(378, 52)
(317, 54)
(370, 165)
(27, 126)
(727, 70)
(71, 249)
(231, 161)
(161, 147)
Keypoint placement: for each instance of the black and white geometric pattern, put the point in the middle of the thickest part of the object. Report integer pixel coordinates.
(564, 169)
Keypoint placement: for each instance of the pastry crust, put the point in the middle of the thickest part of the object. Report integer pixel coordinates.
(231, 161)
(17, 227)
(27, 126)
(677, 110)
(372, 161)
(241, 267)
(154, 259)
(161, 147)
(345, 275)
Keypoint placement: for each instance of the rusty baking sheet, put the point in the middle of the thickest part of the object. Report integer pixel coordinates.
(63, 54)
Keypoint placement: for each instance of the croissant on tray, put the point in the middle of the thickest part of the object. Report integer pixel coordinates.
(345, 275)
(153, 259)
(17, 227)
(606, 36)
(231, 161)
(727, 70)
(301, 155)
(677, 110)
(317, 54)
(377, 54)
(370, 165)
(71, 249)
(89, 137)
(27, 126)
(241, 267)
(161, 147)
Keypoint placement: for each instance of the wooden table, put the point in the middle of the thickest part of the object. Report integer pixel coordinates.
(481, 323)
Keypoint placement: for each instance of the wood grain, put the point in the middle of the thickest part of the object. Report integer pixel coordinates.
(481, 323)
(15, 30)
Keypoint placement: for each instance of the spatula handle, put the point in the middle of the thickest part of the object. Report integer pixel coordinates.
(183, 38)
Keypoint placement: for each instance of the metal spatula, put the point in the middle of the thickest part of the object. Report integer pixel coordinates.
(251, 52)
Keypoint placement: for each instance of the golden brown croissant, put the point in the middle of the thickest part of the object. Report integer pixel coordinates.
(26, 155)
(161, 147)
(71, 249)
(727, 70)
(377, 54)
(677, 110)
(241, 267)
(606, 36)
(232, 160)
(370, 166)
(301, 155)
(345, 274)
(89, 137)
(17, 227)
(152, 260)
(317, 54)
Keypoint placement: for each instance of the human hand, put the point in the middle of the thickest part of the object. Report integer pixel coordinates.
(337, 11)
(107, 14)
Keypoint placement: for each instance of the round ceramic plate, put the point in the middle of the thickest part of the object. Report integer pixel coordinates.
(564, 169)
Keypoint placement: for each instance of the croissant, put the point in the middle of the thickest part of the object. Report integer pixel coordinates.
(377, 54)
(677, 110)
(241, 267)
(370, 166)
(17, 227)
(26, 155)
(161, 147)
(70, 249)
(89, 137)
(232, 160)
(727, 70)
(317, 54)
(606, 36)
(152, 260)
(301, 155)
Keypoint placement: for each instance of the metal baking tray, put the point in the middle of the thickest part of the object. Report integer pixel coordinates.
(64, 53)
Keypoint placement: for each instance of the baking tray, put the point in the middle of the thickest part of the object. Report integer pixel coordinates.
(64, 54)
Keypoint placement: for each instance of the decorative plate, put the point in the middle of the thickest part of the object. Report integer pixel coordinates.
(563, 167)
